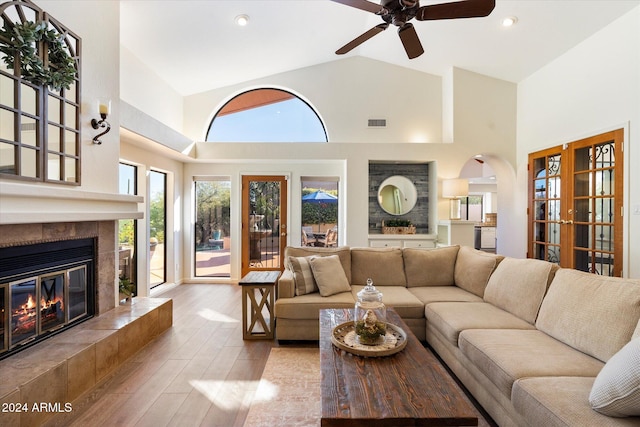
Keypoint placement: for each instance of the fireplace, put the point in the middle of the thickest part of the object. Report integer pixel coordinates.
(44, 288)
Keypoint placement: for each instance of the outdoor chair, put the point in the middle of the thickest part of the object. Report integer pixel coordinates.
(330, 239)
(308, 240)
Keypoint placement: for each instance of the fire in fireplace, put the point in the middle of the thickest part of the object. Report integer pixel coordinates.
(44, 288)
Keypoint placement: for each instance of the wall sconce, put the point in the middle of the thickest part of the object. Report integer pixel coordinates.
(453, 189)
(104, 107)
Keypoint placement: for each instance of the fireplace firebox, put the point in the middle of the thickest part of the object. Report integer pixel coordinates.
(44, 288)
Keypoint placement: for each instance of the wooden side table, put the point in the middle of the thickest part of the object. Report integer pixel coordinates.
(264, 282)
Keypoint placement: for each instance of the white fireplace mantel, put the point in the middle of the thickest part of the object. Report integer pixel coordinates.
(25, 204)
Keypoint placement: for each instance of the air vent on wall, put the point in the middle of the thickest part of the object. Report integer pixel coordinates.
(28, 126)
(377, 123)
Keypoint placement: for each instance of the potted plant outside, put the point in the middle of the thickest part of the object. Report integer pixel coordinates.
(126, 289)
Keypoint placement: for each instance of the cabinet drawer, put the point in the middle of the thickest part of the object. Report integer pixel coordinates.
(488, 238)
(419, 244)
(385, 243)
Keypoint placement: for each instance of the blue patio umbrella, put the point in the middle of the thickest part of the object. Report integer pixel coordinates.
(319, 197)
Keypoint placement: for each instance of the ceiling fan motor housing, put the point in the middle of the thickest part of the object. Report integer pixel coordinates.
(399, 12)
(409, 3)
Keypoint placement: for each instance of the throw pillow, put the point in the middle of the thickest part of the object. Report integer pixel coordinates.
(473, 269)
(616, 390)
(383, 265)
(519, 285)
(302, 275)
(329, 275)
(430, 267)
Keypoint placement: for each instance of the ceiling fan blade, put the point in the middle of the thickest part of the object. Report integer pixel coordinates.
(362, 4)
(458, 9)
(410, 41)
(362, 38)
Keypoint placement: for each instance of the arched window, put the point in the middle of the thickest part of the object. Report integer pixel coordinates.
(266, 115)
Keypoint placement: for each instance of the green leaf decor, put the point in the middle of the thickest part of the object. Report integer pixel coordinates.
(19, 42)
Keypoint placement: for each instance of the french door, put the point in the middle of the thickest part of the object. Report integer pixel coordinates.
(575, 204)
(264, 222)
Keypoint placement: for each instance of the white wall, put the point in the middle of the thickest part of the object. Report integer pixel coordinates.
(350, 162)
(145, 90)
(100, 79)
(383, 91)
(484, 113)
(593, 88)
(346, 93)
(96, 198)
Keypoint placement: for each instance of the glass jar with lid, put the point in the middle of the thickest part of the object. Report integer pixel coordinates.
(370, 316)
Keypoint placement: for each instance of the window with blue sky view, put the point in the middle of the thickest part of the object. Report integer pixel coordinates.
(266, 115)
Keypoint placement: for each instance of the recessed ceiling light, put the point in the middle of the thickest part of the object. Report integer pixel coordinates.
(242, 20)
(509, 21)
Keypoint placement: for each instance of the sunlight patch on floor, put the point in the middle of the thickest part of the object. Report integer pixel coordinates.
(235, 395)
(215, 316)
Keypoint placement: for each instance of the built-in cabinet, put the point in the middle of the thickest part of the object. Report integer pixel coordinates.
(402, 240)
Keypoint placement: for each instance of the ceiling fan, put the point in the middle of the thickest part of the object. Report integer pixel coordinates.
(400, 12)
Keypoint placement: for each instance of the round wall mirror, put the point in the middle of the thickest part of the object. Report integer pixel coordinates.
(397, 195)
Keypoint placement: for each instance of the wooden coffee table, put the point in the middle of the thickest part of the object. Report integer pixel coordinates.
(409, 388)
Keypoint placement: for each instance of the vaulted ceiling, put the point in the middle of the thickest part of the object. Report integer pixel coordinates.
(196, 46)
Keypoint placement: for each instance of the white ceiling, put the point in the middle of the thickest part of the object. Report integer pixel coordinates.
(195, 45)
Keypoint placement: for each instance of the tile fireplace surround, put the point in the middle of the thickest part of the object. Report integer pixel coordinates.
(60, 369)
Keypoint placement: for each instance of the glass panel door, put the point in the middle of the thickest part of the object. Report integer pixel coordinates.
(264, 222)
(212, 228)
(545, 190)
(596, 234)
(575, 204)
(127, 228)
(157, 227)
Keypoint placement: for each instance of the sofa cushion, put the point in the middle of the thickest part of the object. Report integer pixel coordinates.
(308, 306)
(407, 305)
(430, 267)
(451, 318)
(594, 314)
(616, 390)
(383, 265)
(519, 285)
(561, 402)
(505, 355)
(302, 274)
(344, 252)
(329, 275)
(473, 269)
(429, 294)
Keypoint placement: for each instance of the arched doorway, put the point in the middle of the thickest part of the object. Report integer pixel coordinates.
(493, 180)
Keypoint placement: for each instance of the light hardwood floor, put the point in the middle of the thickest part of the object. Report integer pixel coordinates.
(198, 373)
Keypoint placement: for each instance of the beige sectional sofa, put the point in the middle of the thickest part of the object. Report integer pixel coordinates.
(535, 344)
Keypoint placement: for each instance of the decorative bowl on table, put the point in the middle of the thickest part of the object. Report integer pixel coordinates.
(370, 330)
